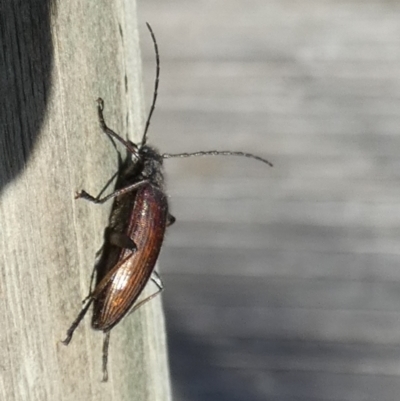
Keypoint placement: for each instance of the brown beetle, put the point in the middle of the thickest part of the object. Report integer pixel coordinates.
(134, 236)
(132, 240)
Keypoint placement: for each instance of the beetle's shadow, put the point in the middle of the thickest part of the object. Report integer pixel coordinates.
(26, 59)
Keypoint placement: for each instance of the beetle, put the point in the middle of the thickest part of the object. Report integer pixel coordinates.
(136, 229)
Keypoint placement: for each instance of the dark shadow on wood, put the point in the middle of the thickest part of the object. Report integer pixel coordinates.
(26, 59)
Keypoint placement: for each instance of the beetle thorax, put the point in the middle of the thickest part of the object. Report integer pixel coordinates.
(152, 166)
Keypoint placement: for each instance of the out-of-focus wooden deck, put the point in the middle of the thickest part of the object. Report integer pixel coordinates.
(281, 284)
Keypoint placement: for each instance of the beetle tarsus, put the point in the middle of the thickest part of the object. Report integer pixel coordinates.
(100, 104)
(67, 339)
(84, 195)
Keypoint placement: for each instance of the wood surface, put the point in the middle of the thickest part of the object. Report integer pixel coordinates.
(281, 284)
(56, 60)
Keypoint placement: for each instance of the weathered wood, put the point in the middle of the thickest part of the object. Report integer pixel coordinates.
(55, 62)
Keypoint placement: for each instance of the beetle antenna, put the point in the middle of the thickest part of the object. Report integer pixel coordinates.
(155, 93)
(217, 153)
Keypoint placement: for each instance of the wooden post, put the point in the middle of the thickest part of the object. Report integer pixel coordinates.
(55, 62)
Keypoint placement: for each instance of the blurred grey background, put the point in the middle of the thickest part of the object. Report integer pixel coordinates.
(281, 283)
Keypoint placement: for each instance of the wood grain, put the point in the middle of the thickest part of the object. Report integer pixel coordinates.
(55, 62)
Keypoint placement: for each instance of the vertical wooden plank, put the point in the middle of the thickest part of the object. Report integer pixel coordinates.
(55, 60)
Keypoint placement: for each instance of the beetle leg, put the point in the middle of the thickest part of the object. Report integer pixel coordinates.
(156, 279)
(91, 283)
(170, 220)
(76, 322)
(106, 279)
(94, 270)
(104, 188)
(121, 240)
(115, 238)
(107, 185)
(84, 195)
(106, 344)
(108, 131)
(99, 252)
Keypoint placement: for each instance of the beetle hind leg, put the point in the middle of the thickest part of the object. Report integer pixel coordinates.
(76, 322)
(156, 279)
(106, 344)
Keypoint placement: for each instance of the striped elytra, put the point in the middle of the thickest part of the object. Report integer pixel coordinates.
(132, 271)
